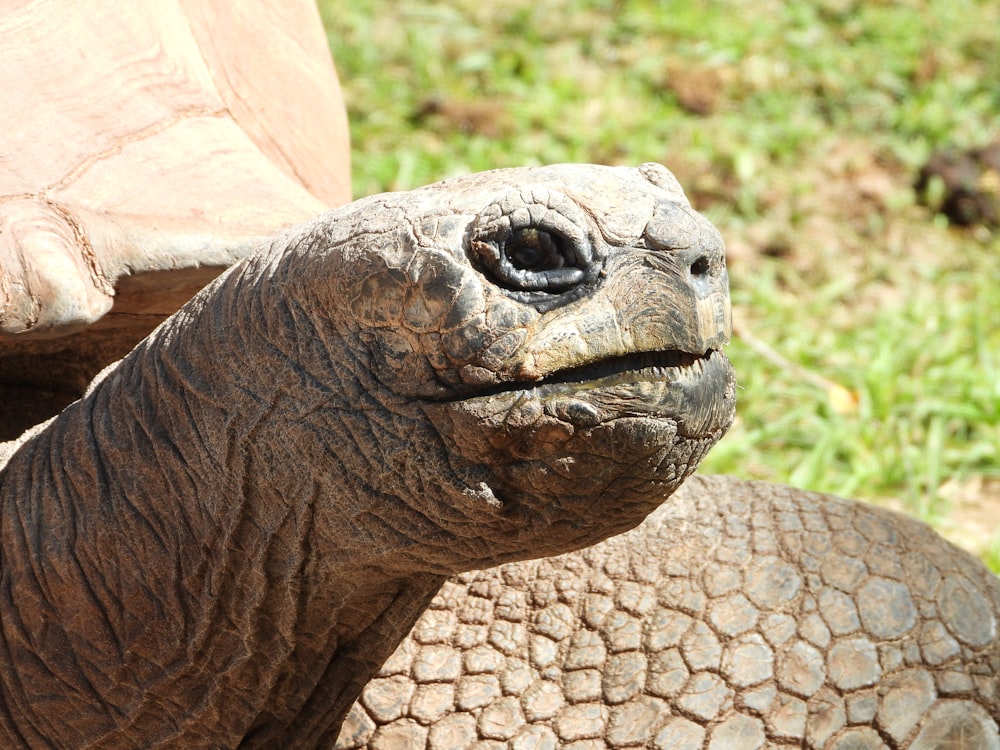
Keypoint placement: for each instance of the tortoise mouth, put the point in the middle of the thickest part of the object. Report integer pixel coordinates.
(634, 368)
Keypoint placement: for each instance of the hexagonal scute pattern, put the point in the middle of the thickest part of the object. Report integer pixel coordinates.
(740, 615)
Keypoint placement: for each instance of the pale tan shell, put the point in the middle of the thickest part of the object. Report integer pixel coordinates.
(144, 147)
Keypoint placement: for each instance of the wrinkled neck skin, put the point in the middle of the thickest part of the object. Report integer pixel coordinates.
(161, 545)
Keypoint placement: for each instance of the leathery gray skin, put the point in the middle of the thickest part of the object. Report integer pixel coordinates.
(739, 615)
(223, 540)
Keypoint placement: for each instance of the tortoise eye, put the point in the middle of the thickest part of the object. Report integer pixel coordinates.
(532, 259)
(538, 249)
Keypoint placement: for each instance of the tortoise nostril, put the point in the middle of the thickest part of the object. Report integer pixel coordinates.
(700, 266)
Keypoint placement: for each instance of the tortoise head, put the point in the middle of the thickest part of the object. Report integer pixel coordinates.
(551, 335)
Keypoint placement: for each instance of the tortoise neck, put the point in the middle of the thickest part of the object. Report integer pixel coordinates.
(174, 533)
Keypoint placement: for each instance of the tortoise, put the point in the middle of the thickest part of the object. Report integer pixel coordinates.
(222, 542)
(219, 543)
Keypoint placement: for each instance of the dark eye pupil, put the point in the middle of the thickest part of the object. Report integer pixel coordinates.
(525, 256)
(531, 250)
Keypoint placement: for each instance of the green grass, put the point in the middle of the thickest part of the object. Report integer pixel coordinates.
(814, 118)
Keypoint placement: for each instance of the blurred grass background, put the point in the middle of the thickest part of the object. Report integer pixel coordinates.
(868, 330)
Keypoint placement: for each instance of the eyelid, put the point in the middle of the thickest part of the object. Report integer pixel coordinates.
(541, 210)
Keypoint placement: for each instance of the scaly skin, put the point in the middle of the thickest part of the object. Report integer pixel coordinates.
(739, 615)
(222, 541)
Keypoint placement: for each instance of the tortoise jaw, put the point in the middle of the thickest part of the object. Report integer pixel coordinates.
(631, 426)
(627, 369)
(639, 367)
(684, 394)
